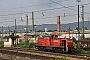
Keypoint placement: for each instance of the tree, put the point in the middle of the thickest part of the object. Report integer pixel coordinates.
(69, 30)
(74, 40)
(50, 31)
(82, 36)
(39, 31)
(63, 30)
(79, 29)
(85, 28)
(55, 30)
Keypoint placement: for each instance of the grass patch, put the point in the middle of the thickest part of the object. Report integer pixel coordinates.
(63, 58)
(81, 51)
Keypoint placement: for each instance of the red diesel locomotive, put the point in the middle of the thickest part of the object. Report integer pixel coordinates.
(53, 43)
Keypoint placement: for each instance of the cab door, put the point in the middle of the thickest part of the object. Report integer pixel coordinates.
(64, 44)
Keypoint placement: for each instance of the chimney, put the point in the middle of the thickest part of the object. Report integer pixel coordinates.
(58, 23)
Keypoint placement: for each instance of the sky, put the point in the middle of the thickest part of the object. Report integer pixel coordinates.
(45, 11)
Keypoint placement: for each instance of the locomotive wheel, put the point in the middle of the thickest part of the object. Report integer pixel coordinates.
(40, 48)
(44, 48)
(53, 49)
(58, 50)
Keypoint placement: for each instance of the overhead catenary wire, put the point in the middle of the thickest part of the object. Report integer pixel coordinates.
(46, 17)
(31, 12)
(43, 10)
(40, 11)
(46, 9)
(35, 19)
(39, 18)
(68, 6)
(63, 5)
(29, 6)
(35, 5)
(42, 18)
(22, 7)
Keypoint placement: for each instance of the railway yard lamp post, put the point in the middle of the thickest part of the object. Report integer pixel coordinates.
(78, 17)
(9, 30)
(15, 28)
(2, 32)
(26, 27)
(26, 24)
(43, 28)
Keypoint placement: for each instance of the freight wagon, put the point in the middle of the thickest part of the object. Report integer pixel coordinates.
(84, 44)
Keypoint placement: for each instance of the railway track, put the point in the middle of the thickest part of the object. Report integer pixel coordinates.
(34, 52)
(3, 59)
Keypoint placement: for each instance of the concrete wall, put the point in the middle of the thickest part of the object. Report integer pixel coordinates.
(8, 43)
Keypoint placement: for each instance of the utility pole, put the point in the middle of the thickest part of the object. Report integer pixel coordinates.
(15, 27)
(9, 30)
(69, 31)
(32, 21)
(82, 22)
(78, 17)
(26, 27)
(2, 32)
(35, 38)
(35, 34)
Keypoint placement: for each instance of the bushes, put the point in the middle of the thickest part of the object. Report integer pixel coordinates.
(1, 45)
(25, 44)
(81, 51)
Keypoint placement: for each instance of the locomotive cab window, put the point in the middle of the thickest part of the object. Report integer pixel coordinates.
(54, 36)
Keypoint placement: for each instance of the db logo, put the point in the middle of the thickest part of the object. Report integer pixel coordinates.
(55, 40)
